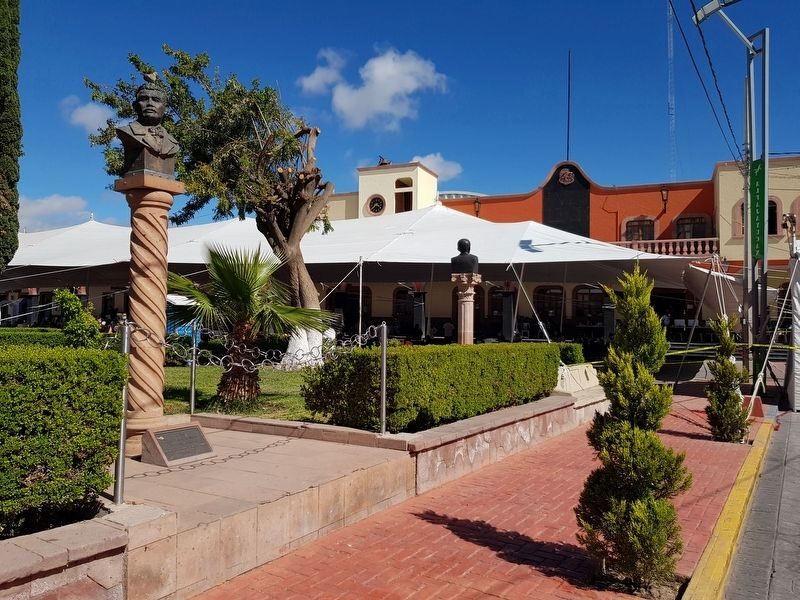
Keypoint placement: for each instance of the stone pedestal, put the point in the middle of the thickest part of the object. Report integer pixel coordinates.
(466, 305)
(150, 199)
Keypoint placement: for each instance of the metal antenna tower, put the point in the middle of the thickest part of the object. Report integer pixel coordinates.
(673, 143)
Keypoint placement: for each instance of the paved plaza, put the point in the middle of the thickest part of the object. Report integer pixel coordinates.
(507, 531)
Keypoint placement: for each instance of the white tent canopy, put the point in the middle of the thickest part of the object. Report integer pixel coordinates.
(415, 245)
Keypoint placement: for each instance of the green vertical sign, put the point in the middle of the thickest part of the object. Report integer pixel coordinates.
(757, 209)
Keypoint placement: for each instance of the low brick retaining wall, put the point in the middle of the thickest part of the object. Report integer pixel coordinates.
(452, 451)
(86, 559)
(144, 552)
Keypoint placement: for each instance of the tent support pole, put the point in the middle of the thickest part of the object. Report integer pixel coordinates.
(533, 309)
(516, 304)
(694, 325)
(360, 295)
(427, 309)
(563, 302)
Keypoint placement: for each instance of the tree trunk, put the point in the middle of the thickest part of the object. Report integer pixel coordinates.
(305, 345)
(239, 384)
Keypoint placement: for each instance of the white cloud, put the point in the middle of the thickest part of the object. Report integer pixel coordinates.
(90, 116)
(387, 94)
(324, 76)
(51, 212)
(445, 169)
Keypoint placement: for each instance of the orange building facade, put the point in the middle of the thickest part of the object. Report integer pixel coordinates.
(569, 200)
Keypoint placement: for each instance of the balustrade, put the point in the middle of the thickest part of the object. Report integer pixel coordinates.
(700, 247)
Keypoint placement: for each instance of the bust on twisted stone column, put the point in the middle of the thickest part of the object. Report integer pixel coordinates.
(464, 272)
(148, 182)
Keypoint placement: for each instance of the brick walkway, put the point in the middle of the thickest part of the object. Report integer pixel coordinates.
(507, 531)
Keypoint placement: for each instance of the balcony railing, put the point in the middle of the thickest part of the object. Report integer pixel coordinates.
(700, 247)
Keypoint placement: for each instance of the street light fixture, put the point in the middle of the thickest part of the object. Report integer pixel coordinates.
(664, 196)
(754, 301)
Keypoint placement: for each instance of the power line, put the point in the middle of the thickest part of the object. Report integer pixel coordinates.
(716, 82)
(705, 89)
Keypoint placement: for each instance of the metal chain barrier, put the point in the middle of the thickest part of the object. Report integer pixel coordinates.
(211, 461)
(250, 359)
(247, 358)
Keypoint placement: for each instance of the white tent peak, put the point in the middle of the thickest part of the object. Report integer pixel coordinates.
(404, 244)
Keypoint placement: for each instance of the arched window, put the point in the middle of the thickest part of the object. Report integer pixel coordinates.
(501, 307)
(548, 302)
(588, 306)
(403, 311)
(403, 182)
(691, 227)
(344, 304)
(639, 229)
(772, 218)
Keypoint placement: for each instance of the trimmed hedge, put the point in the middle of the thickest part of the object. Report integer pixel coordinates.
(571, 353)
(36, 336)
(430, 385)
(60, 413)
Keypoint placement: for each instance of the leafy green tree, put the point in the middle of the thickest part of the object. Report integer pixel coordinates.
(640, 331)
(726, 413)
(10, 130)
(240, 147)
(244, 299)
(81, 329)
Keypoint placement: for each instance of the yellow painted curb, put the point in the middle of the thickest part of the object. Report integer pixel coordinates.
(708, 579)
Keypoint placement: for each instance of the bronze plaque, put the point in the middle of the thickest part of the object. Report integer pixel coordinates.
(175, 445)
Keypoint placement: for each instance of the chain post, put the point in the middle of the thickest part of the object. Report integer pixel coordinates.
(193, 372)
(384, 344)
(119, 467)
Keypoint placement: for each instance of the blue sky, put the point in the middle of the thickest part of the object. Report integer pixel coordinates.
(477, 89)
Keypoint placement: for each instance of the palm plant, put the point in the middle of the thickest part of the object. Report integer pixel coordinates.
(244, 299)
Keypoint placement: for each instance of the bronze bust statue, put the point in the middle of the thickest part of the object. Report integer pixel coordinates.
(147, 146)
(464, 262)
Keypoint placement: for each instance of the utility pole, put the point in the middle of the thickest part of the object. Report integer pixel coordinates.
(756, 186)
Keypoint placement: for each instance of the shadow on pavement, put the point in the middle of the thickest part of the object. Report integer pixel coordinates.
(554, 559)
(687, 434)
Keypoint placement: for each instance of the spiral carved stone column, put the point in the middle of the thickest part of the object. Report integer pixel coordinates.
(466, 305)
(150, 199)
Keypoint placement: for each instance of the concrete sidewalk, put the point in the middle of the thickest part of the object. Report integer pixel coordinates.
(767, 561)
(507, 531)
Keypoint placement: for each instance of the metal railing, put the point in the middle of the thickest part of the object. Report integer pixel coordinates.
(699, 247)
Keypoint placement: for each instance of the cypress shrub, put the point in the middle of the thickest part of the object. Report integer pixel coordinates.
(430, 385)
(60, 413)
(10, 130)
(726, 413)
(639, 331)
(624, 512)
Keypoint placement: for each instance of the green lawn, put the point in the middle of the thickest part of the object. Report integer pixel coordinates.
(280, 393)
